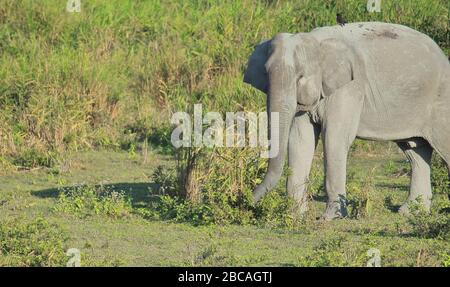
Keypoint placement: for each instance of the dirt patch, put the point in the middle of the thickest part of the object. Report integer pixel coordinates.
(385, 34)
(389, 34)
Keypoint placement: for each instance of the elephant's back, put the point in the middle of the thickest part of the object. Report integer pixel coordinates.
(402, 68)
(376, 34)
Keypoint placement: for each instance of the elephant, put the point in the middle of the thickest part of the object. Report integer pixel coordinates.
(369, 80)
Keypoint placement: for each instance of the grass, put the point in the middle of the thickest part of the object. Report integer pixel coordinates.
(36, 243)
(134, 240)
(85, 102)
(110, 76)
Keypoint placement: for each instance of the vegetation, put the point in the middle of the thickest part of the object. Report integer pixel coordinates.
(433, 224)
(31, 244)
(157, 230)
(85, 200)
(111, 75)
(85, 103)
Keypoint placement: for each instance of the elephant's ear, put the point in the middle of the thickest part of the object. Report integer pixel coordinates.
(336, 64)
(256, 73)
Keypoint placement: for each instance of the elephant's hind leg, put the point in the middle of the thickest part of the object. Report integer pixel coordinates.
(419, 154)
(303, 139)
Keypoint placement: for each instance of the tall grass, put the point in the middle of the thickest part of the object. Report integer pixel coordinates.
(112, 74)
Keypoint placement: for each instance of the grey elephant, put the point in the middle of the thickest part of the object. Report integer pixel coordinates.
(374, 81)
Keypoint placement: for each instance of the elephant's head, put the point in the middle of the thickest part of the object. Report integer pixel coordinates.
(297, 57)
(288, 69)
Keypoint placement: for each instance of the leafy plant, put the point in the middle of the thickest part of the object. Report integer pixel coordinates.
(86, 200)
(359, 197)
(439, 175)
(166, 180)
(334, 252)
(434, 224)
(223, 192)
(446, 260)
(37, 243)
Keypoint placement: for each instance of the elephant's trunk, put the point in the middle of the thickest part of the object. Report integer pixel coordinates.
(281, 100)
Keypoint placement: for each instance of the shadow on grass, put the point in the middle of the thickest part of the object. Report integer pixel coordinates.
(397, 186)
(320, 197)
(382, 233)
(140, 193)
(389, 205)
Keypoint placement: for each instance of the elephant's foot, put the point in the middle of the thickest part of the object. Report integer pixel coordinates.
(406, 210)
(335, 209)
(300, 207)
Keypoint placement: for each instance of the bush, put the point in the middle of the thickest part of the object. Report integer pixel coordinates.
(83, 201)
(184, 211)
(218, 189)
(434, 224)
(360, 197)
(334, 252)
(446, 260)
(166, 180)
(276, 210)
(439, 176)
(38, 243)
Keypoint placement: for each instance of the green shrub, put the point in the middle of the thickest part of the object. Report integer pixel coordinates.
(219, 194)
(84, 200)
(216, 191)
(434, 224)
(335, 252)
(34, 158)
(185, 211)
(276, 210)
(231, 176)
(439, 176)
(166, 180)
(37, 243)
(446, 260)
(360, 197)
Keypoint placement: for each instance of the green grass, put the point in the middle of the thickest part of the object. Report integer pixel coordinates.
(111, 75)
(133, 240)
(85, 96)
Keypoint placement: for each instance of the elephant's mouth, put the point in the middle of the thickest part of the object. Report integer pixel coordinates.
(303, 108)
(311, 110)
(307, 108)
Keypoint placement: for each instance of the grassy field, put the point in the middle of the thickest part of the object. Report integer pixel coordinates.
(85, 154)
(134, 240)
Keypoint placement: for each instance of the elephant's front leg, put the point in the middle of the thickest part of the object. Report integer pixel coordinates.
(303, 139)
(340, 124)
